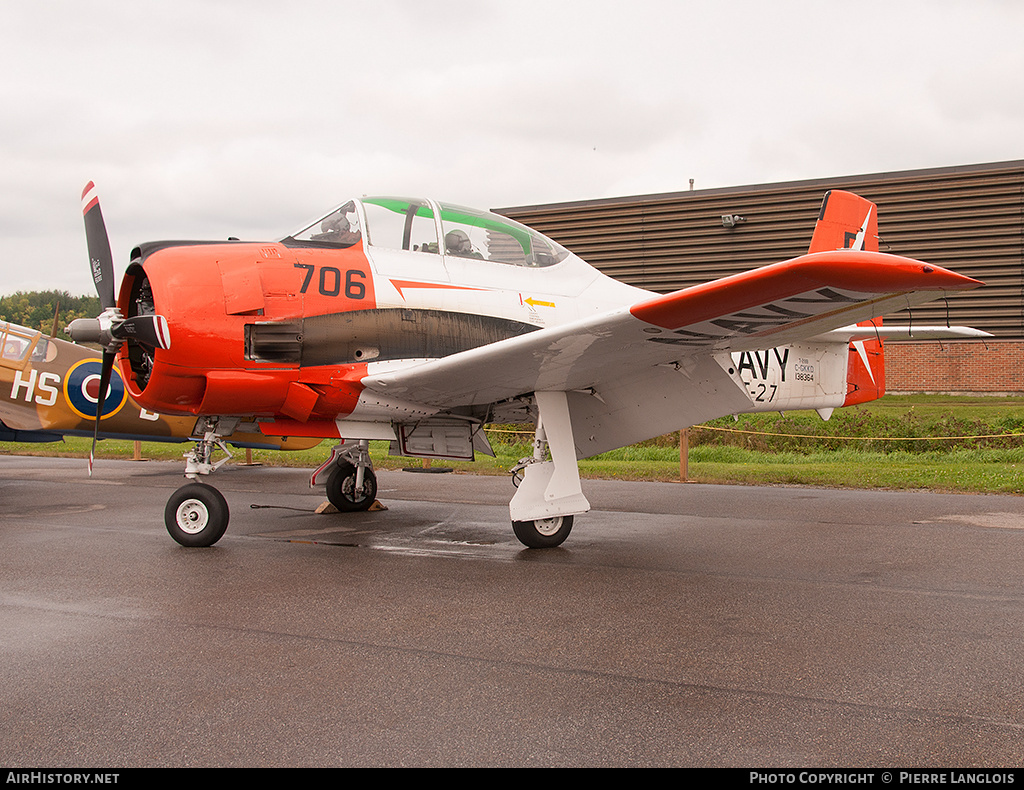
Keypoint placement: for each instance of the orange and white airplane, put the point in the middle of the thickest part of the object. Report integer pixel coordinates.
(418, 322)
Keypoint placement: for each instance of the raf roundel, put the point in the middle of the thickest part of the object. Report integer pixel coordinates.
(81, 390)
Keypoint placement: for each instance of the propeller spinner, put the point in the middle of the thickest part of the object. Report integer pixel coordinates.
(110, 329)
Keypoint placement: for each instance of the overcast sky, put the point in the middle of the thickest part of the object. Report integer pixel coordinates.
(223, 118)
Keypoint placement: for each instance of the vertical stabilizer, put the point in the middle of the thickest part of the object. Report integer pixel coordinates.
(846, 221)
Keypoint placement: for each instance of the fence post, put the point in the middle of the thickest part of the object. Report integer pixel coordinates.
(684, 455)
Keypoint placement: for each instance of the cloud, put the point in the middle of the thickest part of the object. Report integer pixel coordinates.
(209, 119)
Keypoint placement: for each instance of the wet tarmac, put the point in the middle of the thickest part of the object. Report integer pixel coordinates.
(679, 625)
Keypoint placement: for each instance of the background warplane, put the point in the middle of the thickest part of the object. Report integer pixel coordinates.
(49, 388)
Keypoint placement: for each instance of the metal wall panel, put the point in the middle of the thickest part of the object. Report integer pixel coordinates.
(969, 219)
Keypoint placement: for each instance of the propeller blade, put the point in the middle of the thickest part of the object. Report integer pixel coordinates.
(100, 259)
(105, 370)
(149, 330)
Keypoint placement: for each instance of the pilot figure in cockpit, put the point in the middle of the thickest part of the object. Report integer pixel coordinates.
(337, 229)
(456, 242)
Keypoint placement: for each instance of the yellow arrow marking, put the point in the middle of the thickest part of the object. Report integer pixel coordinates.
(535, 303)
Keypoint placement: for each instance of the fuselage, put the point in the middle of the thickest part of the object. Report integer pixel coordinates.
(291, 327)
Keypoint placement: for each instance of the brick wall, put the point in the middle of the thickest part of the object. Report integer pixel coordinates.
(989, 367)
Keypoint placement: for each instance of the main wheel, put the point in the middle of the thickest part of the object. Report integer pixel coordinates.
(544, 533)
(341, 488)
(196, 515)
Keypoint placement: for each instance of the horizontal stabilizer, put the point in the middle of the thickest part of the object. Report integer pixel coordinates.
(847, 334)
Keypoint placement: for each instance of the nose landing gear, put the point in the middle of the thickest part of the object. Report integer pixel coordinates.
(197, 514)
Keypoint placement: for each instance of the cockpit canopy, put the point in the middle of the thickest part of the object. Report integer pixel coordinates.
(416, 225)
(20, 345)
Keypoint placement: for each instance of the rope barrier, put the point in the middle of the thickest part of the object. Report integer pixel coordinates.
(862, 438)
(824, 436)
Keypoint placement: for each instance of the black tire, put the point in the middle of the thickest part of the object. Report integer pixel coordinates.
(545, 533)
(341, 493)
(196, 515)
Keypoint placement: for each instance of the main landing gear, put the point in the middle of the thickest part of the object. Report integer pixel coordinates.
(549, 492)
(351, 483)
(547, 497)
(543, 533)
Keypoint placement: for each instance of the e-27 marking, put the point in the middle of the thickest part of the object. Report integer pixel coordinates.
(764, 372)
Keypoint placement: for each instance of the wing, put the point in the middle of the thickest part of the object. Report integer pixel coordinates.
(763, 308)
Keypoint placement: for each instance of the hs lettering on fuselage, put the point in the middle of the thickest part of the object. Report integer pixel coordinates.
(44, 388)
(47, 385)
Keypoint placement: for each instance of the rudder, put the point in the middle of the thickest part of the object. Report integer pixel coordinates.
(865, 372)
(848, 221)
(845, 221)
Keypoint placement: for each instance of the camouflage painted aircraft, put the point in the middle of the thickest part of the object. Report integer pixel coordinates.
(49, 388)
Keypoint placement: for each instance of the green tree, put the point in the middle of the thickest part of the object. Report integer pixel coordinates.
(36, 309)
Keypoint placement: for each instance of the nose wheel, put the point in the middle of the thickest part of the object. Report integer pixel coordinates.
(196, 515)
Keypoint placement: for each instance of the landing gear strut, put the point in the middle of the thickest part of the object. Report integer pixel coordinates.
(197, 514)
(549, 494)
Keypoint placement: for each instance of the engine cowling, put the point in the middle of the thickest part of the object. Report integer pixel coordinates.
(221, 301)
